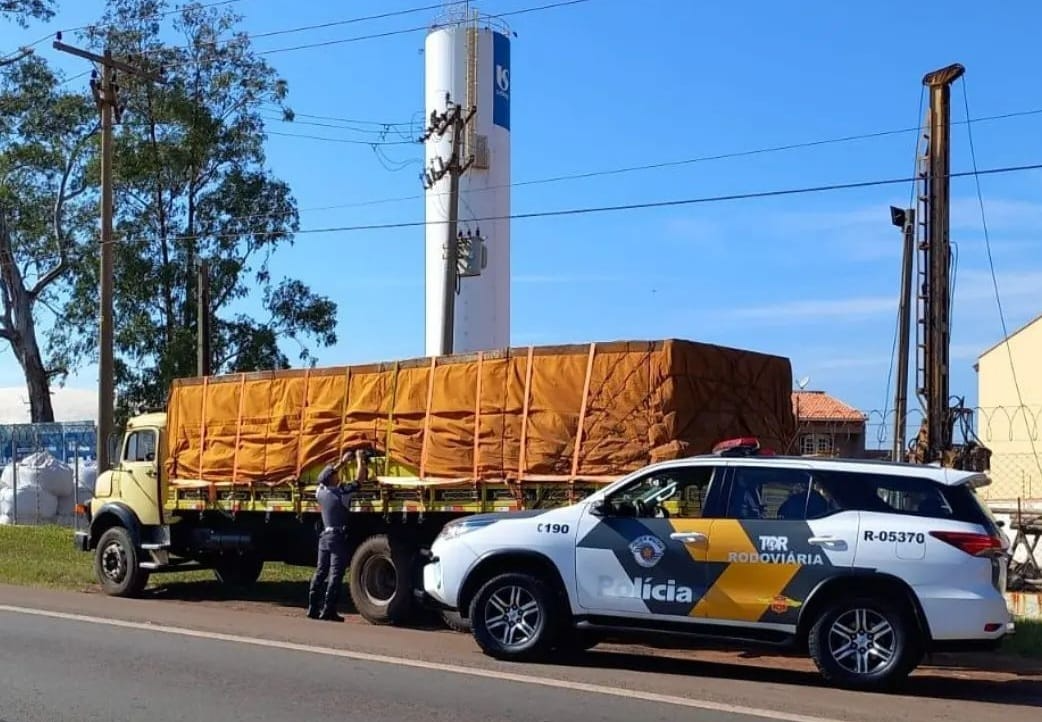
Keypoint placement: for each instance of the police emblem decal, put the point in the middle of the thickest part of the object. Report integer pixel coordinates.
(647, 550)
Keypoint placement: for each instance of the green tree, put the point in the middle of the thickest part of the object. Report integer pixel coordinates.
(46, 207)
(21, 11)
(192, 183)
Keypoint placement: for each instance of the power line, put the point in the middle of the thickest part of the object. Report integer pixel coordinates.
(163, 14)
(679, 163)
(358, 38)
(994, 276)
(349, 21)
(349, 141)
(589, 210)
(406, 31)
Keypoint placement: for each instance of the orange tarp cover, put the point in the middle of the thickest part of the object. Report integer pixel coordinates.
(582, 411)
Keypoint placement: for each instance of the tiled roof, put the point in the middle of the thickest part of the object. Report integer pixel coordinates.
(819, 406)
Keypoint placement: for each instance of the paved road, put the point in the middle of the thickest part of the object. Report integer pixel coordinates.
(84, 657)
(85, 672)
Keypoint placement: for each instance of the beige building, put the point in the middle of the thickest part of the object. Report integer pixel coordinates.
(827, 426)
(1009, 423)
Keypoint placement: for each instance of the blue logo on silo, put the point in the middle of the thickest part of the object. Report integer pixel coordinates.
(501, 80)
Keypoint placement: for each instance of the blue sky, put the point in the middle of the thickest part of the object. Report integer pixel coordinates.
(601, 85)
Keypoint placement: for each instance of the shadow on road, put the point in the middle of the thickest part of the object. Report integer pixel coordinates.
(284, 594)
(927, 682)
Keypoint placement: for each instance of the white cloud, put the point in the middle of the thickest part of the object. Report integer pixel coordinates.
(973, 287)
(69, 404)
(798, 311)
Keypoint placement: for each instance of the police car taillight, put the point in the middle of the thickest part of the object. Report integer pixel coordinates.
(976, 545)
(742, 446)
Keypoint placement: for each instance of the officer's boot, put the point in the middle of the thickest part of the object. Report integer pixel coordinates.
(314, 599)
(329, 608)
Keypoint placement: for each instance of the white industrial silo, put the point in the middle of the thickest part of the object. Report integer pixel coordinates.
(468, 58)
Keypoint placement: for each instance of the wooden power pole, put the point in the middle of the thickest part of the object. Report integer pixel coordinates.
(106, 95)
(203, 353)
(451, 120)
(905, 220)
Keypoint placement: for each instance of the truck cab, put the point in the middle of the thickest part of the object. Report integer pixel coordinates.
(125, 516)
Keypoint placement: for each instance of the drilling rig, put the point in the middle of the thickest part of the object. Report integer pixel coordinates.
(935, 442)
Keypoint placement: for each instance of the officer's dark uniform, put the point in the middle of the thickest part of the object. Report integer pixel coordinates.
(334, 500)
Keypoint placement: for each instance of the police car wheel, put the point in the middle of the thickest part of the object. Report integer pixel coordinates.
(863, 643)
(514, 617)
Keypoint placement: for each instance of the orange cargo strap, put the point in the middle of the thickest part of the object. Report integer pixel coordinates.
(238, 431)
(477, 418)
(300, 424)
(524, 416)
(582, 418)
(390, 411)
(343, 410)
(202, 439)
(425, 448)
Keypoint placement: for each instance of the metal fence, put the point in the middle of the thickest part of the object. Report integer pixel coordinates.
(1012, 433)
(23, 499)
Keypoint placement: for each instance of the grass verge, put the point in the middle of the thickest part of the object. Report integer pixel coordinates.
(43, 556)
(1027, 642)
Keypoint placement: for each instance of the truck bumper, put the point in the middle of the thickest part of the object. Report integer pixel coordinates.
(81, 541)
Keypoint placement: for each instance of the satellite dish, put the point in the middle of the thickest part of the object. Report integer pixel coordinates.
(802, 383)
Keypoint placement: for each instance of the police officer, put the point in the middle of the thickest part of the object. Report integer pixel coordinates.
(334, 501)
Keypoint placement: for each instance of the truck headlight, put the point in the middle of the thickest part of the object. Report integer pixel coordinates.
(459, 527)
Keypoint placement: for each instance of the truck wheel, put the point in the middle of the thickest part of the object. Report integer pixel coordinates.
(455, 621)
(117, 564)
(863, 643)
(380, 579)
(515, 617)
(239, 571)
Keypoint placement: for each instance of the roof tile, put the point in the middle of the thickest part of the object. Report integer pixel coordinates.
(819, 406)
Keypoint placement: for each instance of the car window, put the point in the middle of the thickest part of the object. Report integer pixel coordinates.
(892, 494)
(679, 492)
(771, 493)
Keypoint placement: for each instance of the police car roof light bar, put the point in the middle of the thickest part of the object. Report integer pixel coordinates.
(742, 446)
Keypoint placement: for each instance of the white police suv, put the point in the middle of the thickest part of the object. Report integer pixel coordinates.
(868, 566)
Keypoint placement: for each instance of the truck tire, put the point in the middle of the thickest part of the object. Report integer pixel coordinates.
(238, 570)
(864, 643)
(381, 580)
(515, 616)
(117, 564)
(455, 621)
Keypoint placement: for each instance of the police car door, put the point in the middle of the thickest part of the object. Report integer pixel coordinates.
(642, 552)
(779, 537)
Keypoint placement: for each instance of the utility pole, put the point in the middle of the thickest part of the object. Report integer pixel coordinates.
(203, 354)
(935, 270)
(106, 96)
(904, 219)
(451, 120)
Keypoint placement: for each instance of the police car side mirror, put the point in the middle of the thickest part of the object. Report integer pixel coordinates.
(600, 508)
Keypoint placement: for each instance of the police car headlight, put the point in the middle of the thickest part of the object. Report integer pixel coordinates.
(459, 527)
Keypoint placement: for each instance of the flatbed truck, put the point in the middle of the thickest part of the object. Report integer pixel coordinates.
(223, 479)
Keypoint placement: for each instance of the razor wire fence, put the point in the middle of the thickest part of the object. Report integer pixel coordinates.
(48, 470)
(1012, 433)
